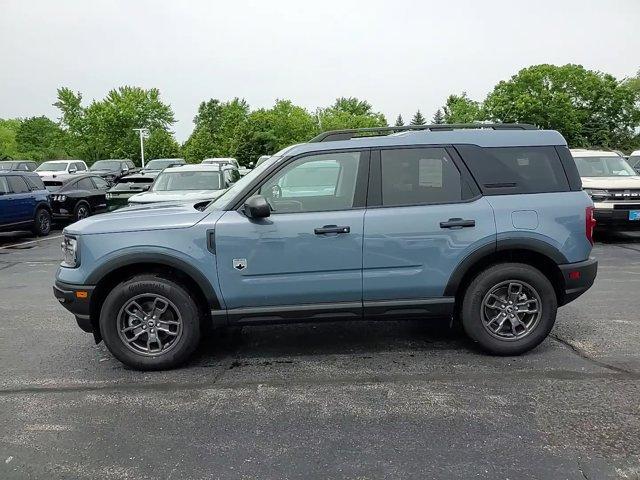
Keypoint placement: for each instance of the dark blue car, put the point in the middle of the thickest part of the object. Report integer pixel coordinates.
(24, 203)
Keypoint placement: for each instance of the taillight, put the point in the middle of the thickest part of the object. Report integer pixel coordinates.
(590, 224)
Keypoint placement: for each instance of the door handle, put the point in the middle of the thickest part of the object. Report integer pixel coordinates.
(457, 223)
(331, 229)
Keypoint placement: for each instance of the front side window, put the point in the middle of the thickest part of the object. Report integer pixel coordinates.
(314, 184)
(4, 186)
(80, 166)
(415, 176)
(18, 185)
(603, 167)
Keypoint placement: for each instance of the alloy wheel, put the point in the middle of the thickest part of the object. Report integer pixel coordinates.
(511, 310)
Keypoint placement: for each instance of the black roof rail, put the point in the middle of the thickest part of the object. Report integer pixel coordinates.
(348, 134)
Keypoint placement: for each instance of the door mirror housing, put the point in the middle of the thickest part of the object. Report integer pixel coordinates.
(257, 207)
(72, 169)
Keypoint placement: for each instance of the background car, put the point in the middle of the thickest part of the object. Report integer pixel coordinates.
(24, 203)
(125, 187)
(60, 167)
(262, 159)
(160, 164)
(221, 160)
(113, 169)
(613, 186)
(74, 197)
(19, 165)
(634, 161)
(189, 183)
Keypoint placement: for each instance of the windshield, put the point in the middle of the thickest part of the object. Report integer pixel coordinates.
(161, 164)
(52, 167)
(111, 165)
(240, 185)
(603, 167)
(6, 165)
(194, 180)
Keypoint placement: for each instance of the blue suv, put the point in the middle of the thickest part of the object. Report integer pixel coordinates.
(24, 203)
(486, 224)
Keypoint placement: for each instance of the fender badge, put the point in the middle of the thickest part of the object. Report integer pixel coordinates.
(239, 263)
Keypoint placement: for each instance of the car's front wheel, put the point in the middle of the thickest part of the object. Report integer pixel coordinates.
(509, 308)
(150, 323)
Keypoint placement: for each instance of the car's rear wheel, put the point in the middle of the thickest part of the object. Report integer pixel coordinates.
(150, 323)
(42, 223)
(81, 211)
(509, 308)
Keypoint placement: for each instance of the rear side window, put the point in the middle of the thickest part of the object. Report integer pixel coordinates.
(4, 186)
(17, 184)
(415, 176)
(85, 184)
(35, 182)
(515, 170)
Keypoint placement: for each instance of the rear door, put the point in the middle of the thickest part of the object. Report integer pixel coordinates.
(99, 194)
(23, 200)
(307, 256)
(424, 216)
(6, 210)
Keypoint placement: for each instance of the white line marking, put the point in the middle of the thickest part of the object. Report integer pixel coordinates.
(32, 241)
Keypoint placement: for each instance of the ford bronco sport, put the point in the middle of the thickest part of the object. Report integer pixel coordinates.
(487, 224)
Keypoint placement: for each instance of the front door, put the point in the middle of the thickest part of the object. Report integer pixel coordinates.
(429, 217)
(305, 260)
(23, 200)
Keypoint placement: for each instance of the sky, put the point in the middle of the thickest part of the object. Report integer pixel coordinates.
(399, 56)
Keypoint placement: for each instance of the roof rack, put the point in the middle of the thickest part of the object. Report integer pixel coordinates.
(348, 134)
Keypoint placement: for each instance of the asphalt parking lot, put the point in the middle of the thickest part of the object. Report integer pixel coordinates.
(357, 400)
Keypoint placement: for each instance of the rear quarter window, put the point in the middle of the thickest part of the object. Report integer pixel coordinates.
(515, 170)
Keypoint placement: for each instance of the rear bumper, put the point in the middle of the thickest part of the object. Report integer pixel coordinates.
(76, 299)
(615, 219)
(578, 278)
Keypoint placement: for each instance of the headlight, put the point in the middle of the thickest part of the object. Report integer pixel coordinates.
(70, 258)
(109, 196)
(597, 194)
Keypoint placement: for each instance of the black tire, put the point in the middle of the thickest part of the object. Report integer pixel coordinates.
(139, 287)
(42, 222)
(478, 291)
(82, 210)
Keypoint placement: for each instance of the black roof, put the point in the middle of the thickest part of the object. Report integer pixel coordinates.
(18, 172)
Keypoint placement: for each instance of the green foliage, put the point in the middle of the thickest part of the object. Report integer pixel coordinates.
(216, 131)
(104, 129)
(350, 113)
(438, 117)
(39, 138)
(591, 109)
(161, 144)
(399, 121)
(8, 143)
(418, 119)
(461, 109)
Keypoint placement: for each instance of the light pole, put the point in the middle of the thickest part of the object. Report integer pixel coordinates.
(144, 133)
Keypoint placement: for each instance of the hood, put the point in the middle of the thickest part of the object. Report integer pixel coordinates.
(144, 217)
(176, 196)
(618, 182)
(104, 172)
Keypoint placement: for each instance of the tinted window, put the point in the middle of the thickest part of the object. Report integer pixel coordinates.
(80, 166)
(35, 182)
(416, 176)
(17, 184)
(4, 186)
(100, 183)
(315, 183)
(84, 184)
(53, 185)
(513, 170)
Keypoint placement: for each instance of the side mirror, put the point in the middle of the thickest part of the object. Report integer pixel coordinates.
(250, 165)
(73, 169)
(257, 207)
(125, 170)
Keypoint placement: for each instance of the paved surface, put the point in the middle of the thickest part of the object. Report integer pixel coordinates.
(358, 400)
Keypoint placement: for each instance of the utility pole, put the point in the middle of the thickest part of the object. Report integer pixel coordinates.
(144, 133)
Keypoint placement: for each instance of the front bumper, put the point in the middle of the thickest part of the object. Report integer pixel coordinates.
(76, 299)
(578, 278)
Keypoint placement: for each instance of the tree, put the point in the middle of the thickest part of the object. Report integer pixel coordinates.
(461, 109)
(418, 119)
(399, 121)
(350, 113)
(8, 144)
(104, 129)
(216, 130)
(590, 108)
(161, 144)
(438, 117)
(39, 138)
